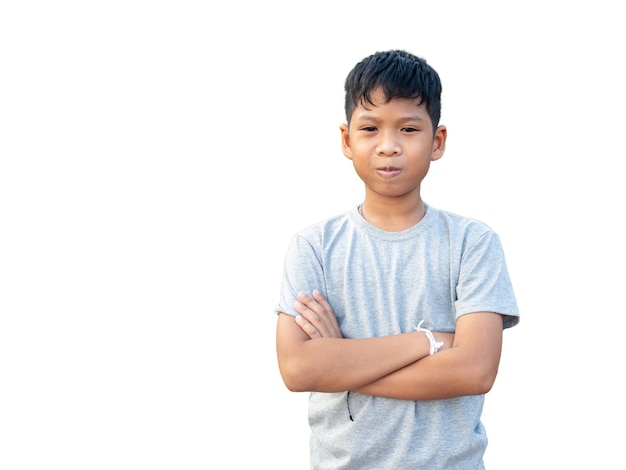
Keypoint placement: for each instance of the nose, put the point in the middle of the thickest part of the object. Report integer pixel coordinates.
(388, 144)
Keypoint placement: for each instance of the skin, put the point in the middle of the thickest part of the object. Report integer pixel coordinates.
(391, 146)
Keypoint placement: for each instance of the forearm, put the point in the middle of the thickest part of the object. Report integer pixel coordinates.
(469, 367)
(447, 374)
(313, 356)
(339, 364)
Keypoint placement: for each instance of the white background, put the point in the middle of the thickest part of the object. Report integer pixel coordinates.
(156, 158)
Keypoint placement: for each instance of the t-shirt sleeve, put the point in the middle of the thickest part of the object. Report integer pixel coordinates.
(484, 284)
(302, 272)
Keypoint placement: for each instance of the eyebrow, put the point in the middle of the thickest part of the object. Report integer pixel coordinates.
(367, 117)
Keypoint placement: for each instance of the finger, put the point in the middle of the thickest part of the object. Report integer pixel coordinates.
(314, 313)
(320, 299)
(306, 312)
(309, 301)
(307, 327)
(322, 308)
(304, 309)
(311, 308)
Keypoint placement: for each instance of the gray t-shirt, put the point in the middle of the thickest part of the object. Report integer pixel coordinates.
(383, 283)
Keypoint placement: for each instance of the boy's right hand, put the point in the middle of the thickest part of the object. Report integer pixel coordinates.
(316, 317)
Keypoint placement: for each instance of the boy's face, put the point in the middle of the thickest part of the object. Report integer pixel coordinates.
(391, 145)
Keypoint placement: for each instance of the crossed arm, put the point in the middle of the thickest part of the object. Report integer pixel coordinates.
(314, 356)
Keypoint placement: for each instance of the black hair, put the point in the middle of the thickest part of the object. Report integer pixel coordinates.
(399, 74)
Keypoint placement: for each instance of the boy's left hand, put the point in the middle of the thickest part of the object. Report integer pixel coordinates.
(316, 317)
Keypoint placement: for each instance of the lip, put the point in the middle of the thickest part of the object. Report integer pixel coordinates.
(388, 172)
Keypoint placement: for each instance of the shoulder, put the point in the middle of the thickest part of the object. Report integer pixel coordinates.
(462, 225)
(321, 238)
(327, 228)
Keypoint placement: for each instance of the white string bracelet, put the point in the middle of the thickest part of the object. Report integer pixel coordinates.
(434, 345)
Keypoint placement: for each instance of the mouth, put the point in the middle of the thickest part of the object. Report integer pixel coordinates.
(388, 171)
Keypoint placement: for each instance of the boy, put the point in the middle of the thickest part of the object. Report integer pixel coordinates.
(392, 314)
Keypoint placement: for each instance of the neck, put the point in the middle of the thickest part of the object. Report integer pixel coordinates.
(393, 218)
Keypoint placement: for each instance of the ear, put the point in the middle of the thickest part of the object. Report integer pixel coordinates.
(345, 141)
(439, 143)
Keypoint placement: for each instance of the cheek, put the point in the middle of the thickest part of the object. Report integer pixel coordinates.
(361, 149)
(361, 168)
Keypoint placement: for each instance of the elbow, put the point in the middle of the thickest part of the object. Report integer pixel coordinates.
(483, 388)
(293, 384)
(294, 387)
(477, 373)
(294, 377)
(482, 381)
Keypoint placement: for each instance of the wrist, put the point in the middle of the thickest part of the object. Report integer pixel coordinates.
(434, 345)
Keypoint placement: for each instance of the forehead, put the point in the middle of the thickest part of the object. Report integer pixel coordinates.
(378, 98)
(400, 107)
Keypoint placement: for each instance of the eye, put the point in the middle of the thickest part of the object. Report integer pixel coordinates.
(410, 129)
(368, 128)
